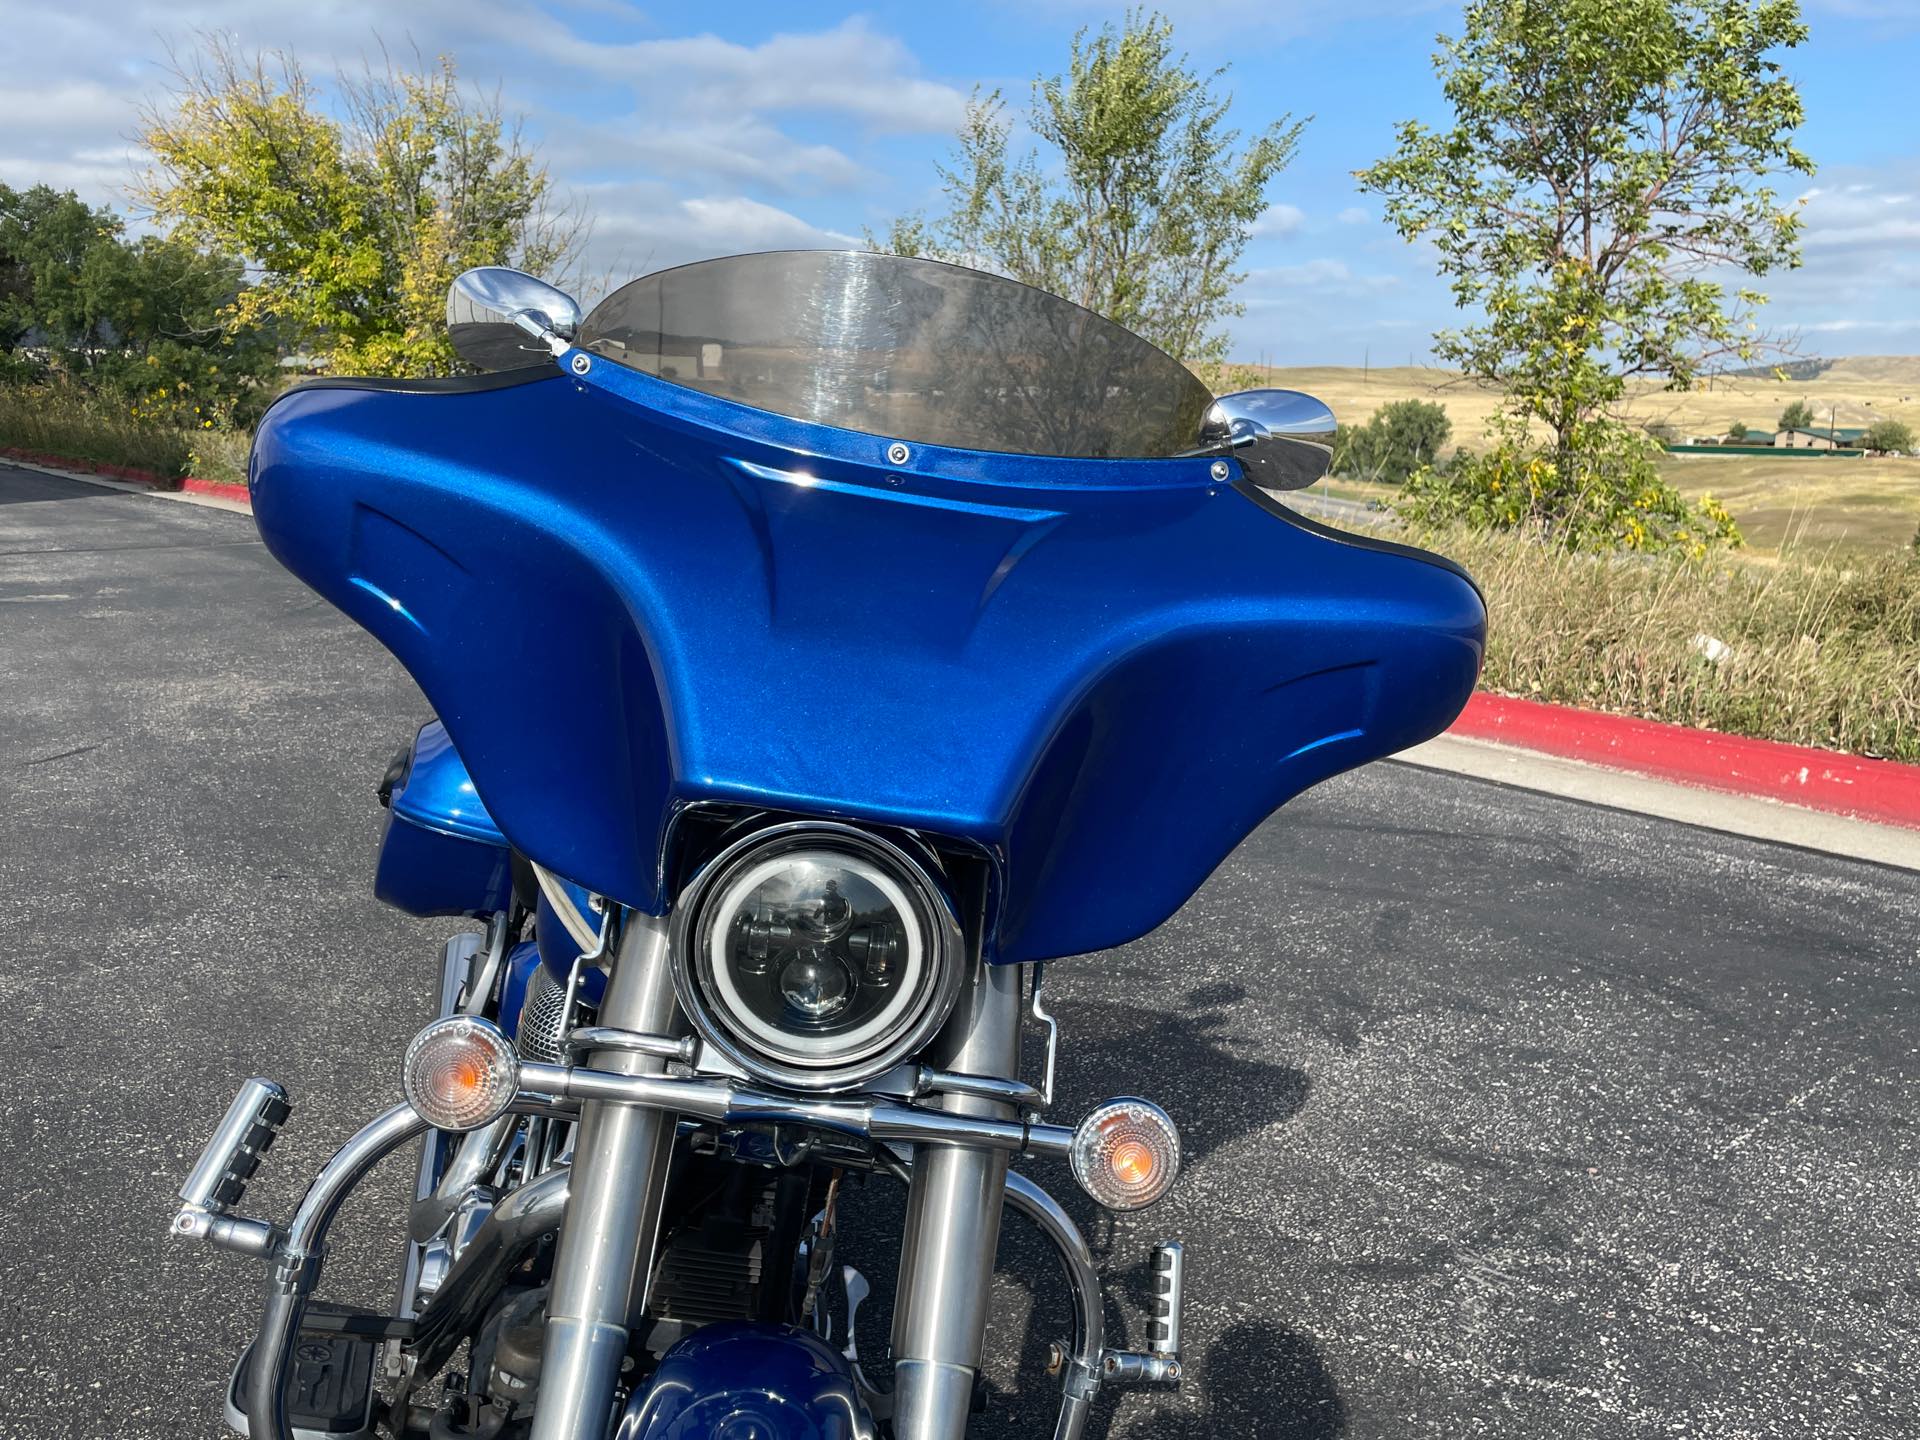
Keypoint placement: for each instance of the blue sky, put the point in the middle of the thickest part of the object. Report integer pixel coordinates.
(695, 130)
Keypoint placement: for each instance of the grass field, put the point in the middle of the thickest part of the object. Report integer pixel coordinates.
(1843, 505)
(1799, 502)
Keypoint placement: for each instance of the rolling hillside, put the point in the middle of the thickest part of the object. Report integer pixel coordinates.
(1802, 501)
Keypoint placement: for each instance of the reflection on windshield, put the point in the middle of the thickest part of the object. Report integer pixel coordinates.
(904, 349)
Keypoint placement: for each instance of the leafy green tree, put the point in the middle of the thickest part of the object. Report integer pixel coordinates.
(1889, 437)
(1143, 205)
(1797, 416)
(1401, 438)
(144, 319)
(1614, 498)
(1604, 167)
(1737, 431)
(355, 226)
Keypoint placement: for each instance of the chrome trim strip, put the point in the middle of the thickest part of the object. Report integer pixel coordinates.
(722, 1101)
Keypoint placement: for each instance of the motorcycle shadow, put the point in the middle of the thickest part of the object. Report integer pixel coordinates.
(1252, 1378)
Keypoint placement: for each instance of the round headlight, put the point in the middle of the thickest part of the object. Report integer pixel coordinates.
(815, 955)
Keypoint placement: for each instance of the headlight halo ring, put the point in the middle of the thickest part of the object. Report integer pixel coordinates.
(934, 967)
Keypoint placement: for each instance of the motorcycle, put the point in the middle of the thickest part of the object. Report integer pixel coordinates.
(820, 644)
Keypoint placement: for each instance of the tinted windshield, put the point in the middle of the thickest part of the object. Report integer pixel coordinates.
(906, 349)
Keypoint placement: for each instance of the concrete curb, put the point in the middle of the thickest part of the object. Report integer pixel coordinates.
(1882, 791)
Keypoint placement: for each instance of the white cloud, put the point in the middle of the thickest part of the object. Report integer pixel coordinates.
(642, 227)
(1860, 215)
(679, 145)
(1279, 220)
(1353, 215)
(749, 223)
(1324, 277)
(849, 70)
(1268, 19)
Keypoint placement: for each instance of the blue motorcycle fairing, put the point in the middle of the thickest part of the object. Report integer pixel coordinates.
(746, 1380)
(441, 853)
(1102, 674)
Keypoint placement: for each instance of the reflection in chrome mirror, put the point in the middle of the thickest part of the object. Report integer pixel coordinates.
(1282, 438)
(500, 319)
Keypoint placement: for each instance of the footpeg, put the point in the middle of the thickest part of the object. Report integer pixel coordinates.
(219, 1177)
(1160, 1365)
(1169, 1284)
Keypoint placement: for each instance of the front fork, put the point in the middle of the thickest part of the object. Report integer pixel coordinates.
(620, 1171)
(953, 1225)
(619, 1182)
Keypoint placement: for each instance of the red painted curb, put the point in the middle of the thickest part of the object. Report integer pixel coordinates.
(1880, 790)
(89, 467)
(219, 489)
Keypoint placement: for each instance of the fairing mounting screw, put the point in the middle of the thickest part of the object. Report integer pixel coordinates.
(1220, 470)
(898, 454)
(582, 364)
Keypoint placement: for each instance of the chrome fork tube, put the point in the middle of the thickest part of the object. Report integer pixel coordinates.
(953, 1225)
(618, 1183)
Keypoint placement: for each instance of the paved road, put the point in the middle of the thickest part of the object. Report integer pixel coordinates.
(1507, 1116)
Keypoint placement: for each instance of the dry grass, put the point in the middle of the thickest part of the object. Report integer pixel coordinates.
(1798, 502)
(1855, 392)
(1823, 652)
(59, 420)
(1859, 506)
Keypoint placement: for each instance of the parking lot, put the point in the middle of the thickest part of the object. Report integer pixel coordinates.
(1505, 1115)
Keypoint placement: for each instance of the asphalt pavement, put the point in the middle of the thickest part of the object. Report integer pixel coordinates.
(1506, 1115)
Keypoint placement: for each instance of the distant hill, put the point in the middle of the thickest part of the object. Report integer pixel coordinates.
(1852, 391)
(1786, 369)
(1873, 369)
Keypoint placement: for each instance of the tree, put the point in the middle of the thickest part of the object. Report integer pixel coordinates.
(1737, 431)
(1602, 170)
(1797, 416)
(1615, 498)
(1401, 438)
(356, 226)
(143, 318)
(1888, 437)
(1152, 203)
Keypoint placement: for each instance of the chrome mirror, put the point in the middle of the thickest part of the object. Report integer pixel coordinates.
(1283, 438)
(500, 319)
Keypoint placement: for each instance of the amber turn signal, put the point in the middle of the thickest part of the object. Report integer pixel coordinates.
(460, 1073)
(1126, 1154)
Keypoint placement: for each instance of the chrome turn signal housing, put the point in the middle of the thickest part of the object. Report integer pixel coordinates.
(1126, 1154)
(460, 1072)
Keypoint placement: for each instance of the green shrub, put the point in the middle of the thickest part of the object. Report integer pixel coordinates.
(1607, 494)
(1401, 439)
(1889, 437)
